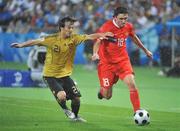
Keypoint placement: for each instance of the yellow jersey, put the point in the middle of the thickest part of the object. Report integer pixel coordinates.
(60, 54)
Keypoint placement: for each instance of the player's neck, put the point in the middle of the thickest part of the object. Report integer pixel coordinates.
(114, 22)
(62, 35)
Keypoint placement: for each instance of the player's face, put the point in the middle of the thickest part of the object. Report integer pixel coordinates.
(121, 19)
(68, 28)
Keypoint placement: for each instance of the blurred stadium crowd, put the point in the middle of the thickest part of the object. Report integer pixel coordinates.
(38, 15)
(148, 16)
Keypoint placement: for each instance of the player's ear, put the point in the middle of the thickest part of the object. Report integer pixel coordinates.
(61, 24)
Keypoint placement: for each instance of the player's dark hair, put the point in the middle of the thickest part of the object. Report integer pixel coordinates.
(120, 10)
(64, 20)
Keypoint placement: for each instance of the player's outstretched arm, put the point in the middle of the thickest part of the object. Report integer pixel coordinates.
(26, 44)
(138, 42)
(99, 35)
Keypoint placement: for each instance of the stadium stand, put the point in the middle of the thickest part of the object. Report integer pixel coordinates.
(148, 16)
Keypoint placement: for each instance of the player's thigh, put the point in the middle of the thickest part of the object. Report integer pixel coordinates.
(123, 69)
(106, 76)
(70, 88)
(54, 84)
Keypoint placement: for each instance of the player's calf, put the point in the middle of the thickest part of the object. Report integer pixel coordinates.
(106, 95)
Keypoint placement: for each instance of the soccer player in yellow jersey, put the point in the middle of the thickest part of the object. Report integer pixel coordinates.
(58, 66)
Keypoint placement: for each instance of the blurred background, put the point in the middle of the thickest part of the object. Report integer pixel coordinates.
(157, 23)
(22, 108)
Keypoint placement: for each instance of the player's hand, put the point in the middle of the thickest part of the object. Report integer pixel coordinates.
(149, 54)
(16, 45)
(95, 57)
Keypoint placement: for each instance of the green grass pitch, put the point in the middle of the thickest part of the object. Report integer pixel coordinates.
(35, 109)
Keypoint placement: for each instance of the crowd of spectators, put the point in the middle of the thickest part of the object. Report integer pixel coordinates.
(23, 16)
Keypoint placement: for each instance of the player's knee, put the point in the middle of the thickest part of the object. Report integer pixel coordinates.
(61, 95)
(129, 81)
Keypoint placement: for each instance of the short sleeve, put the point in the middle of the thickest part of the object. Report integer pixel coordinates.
(79, 39)
(45, 41)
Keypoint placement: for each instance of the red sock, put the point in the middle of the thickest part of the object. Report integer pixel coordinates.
(134, 96)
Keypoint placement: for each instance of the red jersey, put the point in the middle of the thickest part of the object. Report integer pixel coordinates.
(114, 52)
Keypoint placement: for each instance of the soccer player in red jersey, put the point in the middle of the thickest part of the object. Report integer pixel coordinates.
(114, 61)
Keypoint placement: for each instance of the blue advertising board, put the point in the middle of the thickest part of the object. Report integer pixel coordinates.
(15, 78)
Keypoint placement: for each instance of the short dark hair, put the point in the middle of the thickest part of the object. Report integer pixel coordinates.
(120, 10)
(64, 20)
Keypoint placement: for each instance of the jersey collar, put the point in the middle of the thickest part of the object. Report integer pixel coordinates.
(115, 23)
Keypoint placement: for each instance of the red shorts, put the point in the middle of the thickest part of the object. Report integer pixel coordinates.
(110, 73)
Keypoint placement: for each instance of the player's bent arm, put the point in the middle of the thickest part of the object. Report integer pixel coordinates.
(26, 43)
(96, 45)
(138, 42)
